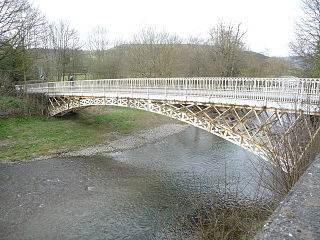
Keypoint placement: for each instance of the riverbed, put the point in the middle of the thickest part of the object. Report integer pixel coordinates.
(130, 194)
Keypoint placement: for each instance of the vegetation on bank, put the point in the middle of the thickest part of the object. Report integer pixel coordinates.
(25, 137)
(237, 220)
(11, 104)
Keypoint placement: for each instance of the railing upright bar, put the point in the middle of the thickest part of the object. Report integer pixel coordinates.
(148, 88)
(104, 89)
(131, 83)
(265, 91)
(165, 88)
(91, 88)
(235, 88)
(186, 87)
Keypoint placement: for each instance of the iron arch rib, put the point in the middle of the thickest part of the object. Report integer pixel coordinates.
(249, 128)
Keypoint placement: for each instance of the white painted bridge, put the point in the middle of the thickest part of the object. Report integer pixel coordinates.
(250, 112)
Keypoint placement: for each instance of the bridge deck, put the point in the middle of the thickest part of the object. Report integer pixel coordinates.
(276, 93)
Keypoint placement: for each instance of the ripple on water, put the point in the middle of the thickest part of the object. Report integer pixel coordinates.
(121, 195)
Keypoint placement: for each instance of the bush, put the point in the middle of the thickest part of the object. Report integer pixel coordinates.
(227, 213)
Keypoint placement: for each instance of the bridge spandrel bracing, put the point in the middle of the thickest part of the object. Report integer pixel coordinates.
(258, 131)
(256, 114)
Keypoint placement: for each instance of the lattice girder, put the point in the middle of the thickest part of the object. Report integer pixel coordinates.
(252, 129)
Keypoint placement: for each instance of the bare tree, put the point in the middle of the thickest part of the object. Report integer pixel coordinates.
(63, 43)
(227, 44)
(152, 53)
(307, 40)
(103, 63)
(20, 23)
(98, 40)
(197, 64)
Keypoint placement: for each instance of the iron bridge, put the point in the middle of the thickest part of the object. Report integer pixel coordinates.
(249, 112)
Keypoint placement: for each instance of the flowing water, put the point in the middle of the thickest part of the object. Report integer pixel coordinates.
(132, 194)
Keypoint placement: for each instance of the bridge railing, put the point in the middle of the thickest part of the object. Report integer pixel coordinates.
(260, 89)
(282, 93)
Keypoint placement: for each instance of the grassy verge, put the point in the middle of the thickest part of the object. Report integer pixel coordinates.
(28, 137)
(10, 103)
(10, 106)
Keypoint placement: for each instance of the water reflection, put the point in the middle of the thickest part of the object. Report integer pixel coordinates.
(192, 151)
(181, 165)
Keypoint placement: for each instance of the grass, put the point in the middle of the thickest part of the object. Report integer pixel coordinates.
(10, 102)
(11, 105)
(29, 137)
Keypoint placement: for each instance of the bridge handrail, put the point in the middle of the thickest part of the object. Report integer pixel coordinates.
(279, 89)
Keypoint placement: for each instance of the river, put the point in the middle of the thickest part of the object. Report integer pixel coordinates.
(134, 194)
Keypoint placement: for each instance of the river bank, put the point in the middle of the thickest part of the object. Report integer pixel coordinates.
(122, 142)
(91, 131)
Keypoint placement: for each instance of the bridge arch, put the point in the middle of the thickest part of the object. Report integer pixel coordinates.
(245, 127)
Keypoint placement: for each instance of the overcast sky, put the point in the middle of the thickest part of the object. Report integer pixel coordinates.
(269, 23)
